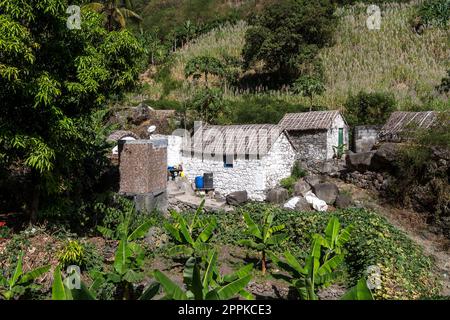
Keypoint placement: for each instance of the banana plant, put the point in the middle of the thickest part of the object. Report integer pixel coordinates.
(61, 290)
(20, 282)
(265, 236)
(128, 262)
(191, 237)
(320, 267)
(205, 284)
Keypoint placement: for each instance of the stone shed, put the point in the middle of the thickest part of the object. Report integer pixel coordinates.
(315, 135)
(365, 137)
(241, 157)
(402, 124)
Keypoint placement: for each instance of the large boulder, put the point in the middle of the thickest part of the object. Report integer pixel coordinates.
(237, 198)
(303, 205)
(313, 180)
(385, 157)
(327, 192)
(343, 201)
(140, 114)
(359, 161)
(301, 188)
(278, 196)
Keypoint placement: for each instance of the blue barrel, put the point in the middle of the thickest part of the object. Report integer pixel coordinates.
(199, 182)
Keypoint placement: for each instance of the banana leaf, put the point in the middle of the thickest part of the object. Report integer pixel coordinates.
(230, 290)
(58, 289)
(172, 290)
(33, 274)
(151, 291)
(140, 231)
(359, 292)
(253, 228)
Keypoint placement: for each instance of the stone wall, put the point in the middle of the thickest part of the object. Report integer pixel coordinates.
(376, 181)
(279, 162)
(143, 166)
(255, 176)
(310, 145)
(365, 137)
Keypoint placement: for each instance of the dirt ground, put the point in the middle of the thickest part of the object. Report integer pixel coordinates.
(413, 224)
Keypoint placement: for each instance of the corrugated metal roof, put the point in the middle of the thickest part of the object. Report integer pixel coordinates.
(235, 139)
(314, 120)
(401, 121)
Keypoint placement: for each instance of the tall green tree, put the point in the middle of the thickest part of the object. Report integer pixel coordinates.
(52, 78)
(287, 33)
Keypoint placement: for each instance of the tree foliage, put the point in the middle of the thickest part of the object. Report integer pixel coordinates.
(116, 12)
(52, 78)
(369, 108)
(204, 65)
(289, 33)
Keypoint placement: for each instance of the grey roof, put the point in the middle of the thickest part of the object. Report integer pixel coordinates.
(120, 134)
(401, 121)
(235, 139)
(314, 120)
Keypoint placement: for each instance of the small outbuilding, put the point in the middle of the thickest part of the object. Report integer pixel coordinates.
(401, 125)
(317, 136)
(253, 158)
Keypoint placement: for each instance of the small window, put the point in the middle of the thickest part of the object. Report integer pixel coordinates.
(228, 161)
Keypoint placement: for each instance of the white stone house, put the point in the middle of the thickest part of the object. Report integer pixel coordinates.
(241, 157)
(315, 135)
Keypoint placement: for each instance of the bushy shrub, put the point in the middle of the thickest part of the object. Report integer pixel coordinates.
(369, 108)
(435, 13)
(288, 183)
(72, 253)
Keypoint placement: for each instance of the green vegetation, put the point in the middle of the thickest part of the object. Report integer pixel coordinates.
(320, 269)
(287, 35)
(435, 13)
(45, 122)
(265, 236)
(116, 12)
(206, 286)
(71, 254)
(20, 282)
(191, 237)
(369, 108)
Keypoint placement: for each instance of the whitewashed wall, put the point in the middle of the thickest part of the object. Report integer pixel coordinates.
(333, 135)
(255, 176)
(245, 175)
(279, 161)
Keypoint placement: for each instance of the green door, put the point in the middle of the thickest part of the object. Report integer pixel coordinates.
(341, 137)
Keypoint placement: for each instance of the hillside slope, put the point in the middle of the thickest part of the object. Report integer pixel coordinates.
(393, 59)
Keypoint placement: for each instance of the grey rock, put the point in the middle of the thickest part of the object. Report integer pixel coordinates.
(343, 201)
(302, 205)
(313, 180)
(359, 161)
(237, 198)
(278, 195)
(140, 114)
(385, 157)
(327, 192)
(301, 188)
